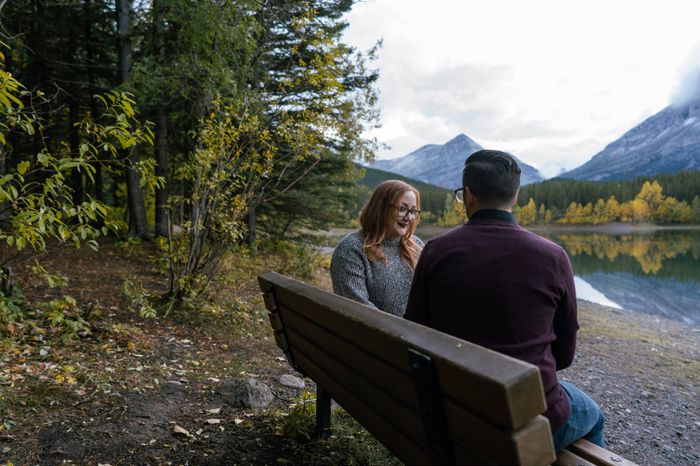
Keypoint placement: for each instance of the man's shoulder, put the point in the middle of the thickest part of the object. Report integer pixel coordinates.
(542, 246)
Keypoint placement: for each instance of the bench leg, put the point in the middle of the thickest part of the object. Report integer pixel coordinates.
(323, 413)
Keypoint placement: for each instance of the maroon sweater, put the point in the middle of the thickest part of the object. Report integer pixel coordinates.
(500, 286)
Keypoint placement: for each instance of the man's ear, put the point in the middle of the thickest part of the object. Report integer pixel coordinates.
(515, 199)
(468, 195)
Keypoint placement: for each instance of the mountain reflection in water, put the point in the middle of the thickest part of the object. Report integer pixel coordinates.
(654, 273)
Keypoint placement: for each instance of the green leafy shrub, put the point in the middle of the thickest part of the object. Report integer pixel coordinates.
(139, 299)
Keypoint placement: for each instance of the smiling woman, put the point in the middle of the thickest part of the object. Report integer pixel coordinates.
(374, 265)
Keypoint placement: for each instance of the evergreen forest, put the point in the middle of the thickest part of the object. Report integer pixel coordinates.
(221, 122)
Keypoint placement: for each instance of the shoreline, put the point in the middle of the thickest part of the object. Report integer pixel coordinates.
(607, 228)
(613, 228)
(642, 319)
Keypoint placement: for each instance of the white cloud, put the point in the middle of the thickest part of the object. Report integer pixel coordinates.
(553, 82)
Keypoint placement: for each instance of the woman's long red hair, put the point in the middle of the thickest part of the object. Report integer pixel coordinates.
(378, 217)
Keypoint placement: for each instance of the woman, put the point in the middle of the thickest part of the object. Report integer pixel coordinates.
(375, 265)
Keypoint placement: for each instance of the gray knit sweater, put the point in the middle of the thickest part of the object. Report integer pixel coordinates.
(378, 284)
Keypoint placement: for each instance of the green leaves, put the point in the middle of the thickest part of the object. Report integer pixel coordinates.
(23, 167)
(38, 198)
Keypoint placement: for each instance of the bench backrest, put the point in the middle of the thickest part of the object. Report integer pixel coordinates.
(425, 395)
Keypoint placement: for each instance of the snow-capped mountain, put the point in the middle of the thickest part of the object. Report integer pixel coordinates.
(442, 165)
(667, 142)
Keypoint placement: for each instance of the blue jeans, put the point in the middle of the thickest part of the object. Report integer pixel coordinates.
(585, 420)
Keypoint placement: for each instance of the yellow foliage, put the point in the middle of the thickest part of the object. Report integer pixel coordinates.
(650, 254)
(527, 215)
(453, 216)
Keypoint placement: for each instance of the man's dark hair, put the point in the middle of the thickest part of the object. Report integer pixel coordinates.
(492, 176)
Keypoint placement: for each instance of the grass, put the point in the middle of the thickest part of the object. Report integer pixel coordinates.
(349, 442)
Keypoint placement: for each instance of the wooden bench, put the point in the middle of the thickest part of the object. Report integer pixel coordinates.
(430, 398)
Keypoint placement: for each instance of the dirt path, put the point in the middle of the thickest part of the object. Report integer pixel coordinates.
(117, 395)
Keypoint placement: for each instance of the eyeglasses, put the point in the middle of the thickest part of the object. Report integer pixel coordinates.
(405, 212)
(459, 194)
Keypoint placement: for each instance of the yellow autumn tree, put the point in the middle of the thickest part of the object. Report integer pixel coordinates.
(652, 194)
(600, 213)
(671, 210)
(613, 208)
(453, 214)
(640, 210)
(527, 215)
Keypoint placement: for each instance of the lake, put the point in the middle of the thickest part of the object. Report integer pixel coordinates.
(654, 272)
(650, 271)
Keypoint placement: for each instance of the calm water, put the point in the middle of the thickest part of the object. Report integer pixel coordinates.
(655, 273)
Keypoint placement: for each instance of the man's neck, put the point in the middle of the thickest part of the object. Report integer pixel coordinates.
(493, 214)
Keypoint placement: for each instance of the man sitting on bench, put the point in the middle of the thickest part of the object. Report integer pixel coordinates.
(498, 285)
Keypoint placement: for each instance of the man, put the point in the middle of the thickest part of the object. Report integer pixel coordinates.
(498, 285)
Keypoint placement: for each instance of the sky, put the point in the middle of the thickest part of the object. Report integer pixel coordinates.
(552, 82)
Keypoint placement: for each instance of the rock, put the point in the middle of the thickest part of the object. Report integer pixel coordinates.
(246, 393)
(291, 381)
(180, 431)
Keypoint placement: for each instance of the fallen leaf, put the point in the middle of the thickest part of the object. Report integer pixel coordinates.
(179, 430)
(237, 420)
(214, 411)
(213, 421)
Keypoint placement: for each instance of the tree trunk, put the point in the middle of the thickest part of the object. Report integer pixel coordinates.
(138, 225)
(96, 187)
(76, 176)
(5, 207)
(161, 222)
(161, 226)
(250, 237)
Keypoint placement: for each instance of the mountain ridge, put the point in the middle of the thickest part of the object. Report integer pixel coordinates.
(666, 142)
(441, 164)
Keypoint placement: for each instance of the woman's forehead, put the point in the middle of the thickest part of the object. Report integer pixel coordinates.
(408, 198)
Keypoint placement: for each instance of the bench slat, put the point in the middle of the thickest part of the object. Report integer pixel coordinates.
(567, 458)
(386, 376)
(502, 386)
(394, 440)
(394, 413)
(522, 446)
(598, 455)
(464, 456)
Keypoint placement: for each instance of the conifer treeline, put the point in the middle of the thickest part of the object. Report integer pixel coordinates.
(649, 205)
(665, 199)
(557, 194)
